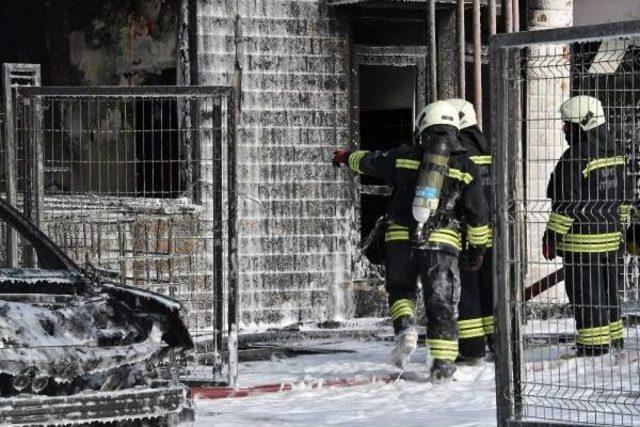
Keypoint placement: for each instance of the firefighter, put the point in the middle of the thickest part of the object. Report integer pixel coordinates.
(475, 321)
(587, 189)
(428, 251)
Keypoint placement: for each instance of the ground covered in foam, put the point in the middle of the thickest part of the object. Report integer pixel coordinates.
(469, 400)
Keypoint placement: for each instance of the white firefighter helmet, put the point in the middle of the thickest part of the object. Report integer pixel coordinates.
(437, 113)
(584, 110)
(466, 112)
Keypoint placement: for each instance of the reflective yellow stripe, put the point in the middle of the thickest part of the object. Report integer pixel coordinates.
(478, 236)
(481, 160)
(470, 322)
(394, 227)
(594, 336)
(446, 236)
(470, 328)
(471, 333)
(603, 163)
(407, 164)
(589, 248)
(490, 238)
(559, 223)
(590, 243)
(402, 307)
(396, 236)
(615, 329)
(487, 324)
(440, 343)
(355, 158)
(592, 238)
(616, 325)
(460, 176)
(443, 349)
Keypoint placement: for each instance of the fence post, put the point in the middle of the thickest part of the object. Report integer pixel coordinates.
(504, 372)
(14, 75)
(11, 239)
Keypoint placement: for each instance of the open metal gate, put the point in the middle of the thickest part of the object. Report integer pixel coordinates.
(540, 381)
(138, 183)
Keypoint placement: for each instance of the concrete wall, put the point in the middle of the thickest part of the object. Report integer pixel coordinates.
(587, 12)
(547, 87)
(295, 256)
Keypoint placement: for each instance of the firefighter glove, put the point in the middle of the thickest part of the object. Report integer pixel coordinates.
(472, 258)
(549, 246)
(340, 156)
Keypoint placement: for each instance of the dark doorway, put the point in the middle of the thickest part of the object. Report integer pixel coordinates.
(387, 100)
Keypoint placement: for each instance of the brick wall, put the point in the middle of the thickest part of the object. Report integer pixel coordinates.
(294, 209)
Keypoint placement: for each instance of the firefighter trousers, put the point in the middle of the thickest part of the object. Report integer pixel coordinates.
(440, 277)
(475, 322)
(591, 282)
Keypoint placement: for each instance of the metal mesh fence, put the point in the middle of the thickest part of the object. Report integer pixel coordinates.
(134, 184)
(566, 187)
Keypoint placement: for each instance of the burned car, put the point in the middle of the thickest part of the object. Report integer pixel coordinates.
(76, 347)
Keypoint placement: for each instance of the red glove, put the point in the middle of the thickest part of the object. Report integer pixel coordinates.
(340, 156)
(548, 249)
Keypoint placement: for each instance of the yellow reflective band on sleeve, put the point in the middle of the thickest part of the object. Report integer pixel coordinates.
(396, 233)
(615, 329)
(590, 243)
(594, 336)
(443, 349)
(396, 236)
(481, 160)
(477, 236)
(460, 176)
(487, 325)
(471, 328)
(397, 227)
(407, 164)
(446, 236)
(402, 307)
(559, 223)
(603, 163)
(355, 158)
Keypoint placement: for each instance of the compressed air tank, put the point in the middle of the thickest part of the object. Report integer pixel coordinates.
(433, 170)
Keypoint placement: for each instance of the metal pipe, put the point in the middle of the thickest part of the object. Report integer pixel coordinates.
(492, 17)
(507, 15)
(433, 54)
(461, 50)
(477, 62)
(516, 15)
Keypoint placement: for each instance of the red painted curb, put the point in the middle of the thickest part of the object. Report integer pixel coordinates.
(226, 392)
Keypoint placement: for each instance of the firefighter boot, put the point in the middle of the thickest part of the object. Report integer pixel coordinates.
(406, 342)
(442, 370)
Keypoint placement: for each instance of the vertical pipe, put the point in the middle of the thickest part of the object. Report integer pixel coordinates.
(492, 17)
(516, 15)
(461, 50)
(38, 141)
(477, 62)
(507, 15)
(232, 218)
(433, 52)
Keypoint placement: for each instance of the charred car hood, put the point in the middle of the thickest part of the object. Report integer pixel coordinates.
(69, 330)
